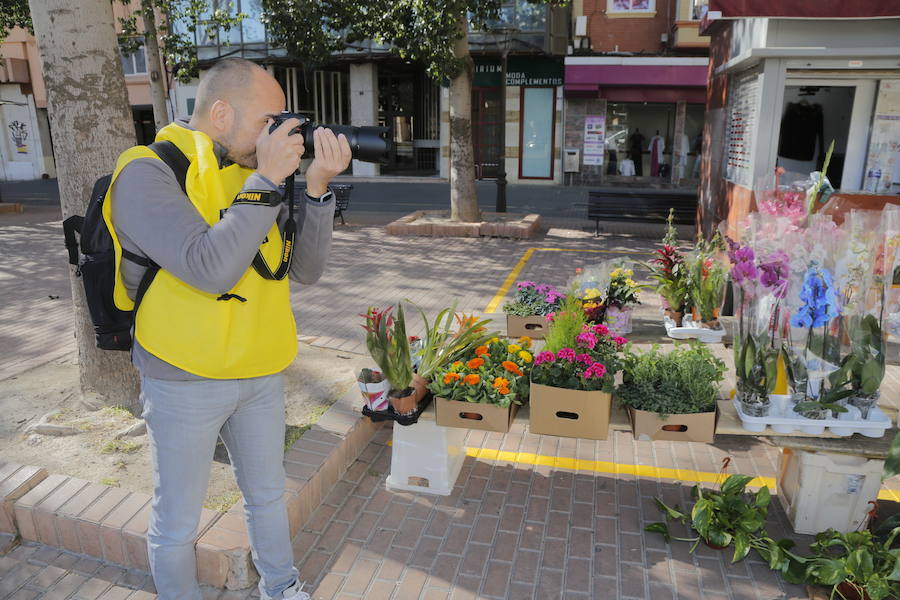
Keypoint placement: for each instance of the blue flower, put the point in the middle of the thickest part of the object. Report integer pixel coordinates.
(820, 301)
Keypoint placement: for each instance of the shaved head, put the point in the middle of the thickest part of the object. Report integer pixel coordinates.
(234, 100)
(227, 80)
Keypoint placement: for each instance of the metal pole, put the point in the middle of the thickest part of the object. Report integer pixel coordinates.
(501, 172)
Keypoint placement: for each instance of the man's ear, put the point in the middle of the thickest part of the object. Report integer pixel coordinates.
(221, 115)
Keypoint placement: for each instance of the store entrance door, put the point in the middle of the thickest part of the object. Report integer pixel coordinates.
(487, 119)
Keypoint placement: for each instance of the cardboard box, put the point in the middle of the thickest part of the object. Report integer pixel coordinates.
(534, 326)
(569, 413)
(699, 427)
(471, 415)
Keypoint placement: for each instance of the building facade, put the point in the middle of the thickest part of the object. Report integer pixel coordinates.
(635, 88)
(785, 82)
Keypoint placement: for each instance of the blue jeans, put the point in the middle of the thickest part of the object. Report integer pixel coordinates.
(184, 420)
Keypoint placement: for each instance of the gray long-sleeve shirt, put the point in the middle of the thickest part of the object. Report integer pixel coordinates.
(155, 219)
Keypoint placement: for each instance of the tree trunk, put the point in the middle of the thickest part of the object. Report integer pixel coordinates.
(463, 199)
(91, 123)
(154, 66)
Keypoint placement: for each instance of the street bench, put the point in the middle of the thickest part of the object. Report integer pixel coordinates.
(341, 199)
(614, 204)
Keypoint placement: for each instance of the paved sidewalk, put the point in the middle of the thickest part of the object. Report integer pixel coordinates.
(510, 529)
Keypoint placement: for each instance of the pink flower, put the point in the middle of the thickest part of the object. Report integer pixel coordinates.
(601, 329)
(586, 340)
(550, 317)
(620, 341)
(595, 370)
(584, 359)
(544, 357)
(566, 354)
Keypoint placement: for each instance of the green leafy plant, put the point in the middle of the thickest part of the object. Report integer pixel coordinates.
(388, 345)
(708, 278)
(857, 562)
(683, 381)
(565, 325)
(829, 397)
(864, 366)
(730, 515)
(442, 342)
(756, 365)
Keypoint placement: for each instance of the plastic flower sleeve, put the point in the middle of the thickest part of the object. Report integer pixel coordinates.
(891, 257)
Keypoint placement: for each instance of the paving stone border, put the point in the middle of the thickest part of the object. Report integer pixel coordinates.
(512, 225)
(110, 523)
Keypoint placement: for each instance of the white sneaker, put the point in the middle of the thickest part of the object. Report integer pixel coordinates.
(295, 592)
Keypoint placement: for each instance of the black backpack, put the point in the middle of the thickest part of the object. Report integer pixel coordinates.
(96, 261)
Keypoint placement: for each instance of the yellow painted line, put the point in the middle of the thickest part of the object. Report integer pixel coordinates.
(526, 256)
(611, 468)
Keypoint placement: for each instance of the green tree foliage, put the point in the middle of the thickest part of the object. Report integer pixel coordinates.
(14, 13)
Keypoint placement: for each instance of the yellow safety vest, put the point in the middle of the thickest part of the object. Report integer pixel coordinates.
(190, 328)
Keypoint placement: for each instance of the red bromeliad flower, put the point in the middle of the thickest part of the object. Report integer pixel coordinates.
(375, 317)
(669, 258)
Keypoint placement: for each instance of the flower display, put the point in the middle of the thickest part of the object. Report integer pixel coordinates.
(496, 374)
(566, 369)
(820, 301)
(533, 299)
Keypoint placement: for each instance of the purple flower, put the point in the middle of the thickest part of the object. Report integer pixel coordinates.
(774, 273)
(595, 370)
(586, 340)
(584, 359)
(544, 357)
(525, 284)
(566, 354)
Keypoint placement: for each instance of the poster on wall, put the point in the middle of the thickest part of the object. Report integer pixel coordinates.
(594, 139)
(883, 160)
(740, 129)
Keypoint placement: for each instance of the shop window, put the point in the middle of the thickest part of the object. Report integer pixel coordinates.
(630, 6)
(699, 8)
(536, 132)
(631, 129)
(136, 62)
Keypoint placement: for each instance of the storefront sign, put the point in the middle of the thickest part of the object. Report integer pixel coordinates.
(487, 73)
(534, 70)
(594, 138)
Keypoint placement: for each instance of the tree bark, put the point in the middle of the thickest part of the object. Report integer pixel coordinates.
(154, 66)
(463, 198)
(92, 124)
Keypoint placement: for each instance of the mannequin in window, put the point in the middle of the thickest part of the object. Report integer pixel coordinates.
(636, 151)
(657, 147)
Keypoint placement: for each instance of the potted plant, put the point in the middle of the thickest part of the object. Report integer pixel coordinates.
(708, 279)
(855, 565)
(483, 389)
(388, 346)
(526, 311)
(669, 271)
(442, 342)
(864, 365)
(756, 370)
(672, 396)
(621, 295)
(571, 388)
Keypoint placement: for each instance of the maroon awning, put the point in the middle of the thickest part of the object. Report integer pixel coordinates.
(638, 83)
(806, 9)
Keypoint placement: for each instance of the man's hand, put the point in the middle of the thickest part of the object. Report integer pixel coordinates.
(278, 154)
(332, 158)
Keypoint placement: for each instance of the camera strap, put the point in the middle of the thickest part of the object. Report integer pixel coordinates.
(287, 248)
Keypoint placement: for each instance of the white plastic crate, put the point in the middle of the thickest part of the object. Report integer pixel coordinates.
(426, 457)
(822, 490)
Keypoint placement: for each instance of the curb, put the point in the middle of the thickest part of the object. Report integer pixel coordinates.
(11, 208)
(110, 523)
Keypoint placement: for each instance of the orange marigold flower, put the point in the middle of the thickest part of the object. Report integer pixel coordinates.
(473, 379)
(481, 350)
(504, 391)
(451, 377)
(475, 363)
(499, 382)
(512, 367)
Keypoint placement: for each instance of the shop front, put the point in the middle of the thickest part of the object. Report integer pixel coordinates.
(782, 91)
(529, 119)
(634, 120)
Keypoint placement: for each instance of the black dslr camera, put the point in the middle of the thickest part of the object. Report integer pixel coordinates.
(368, 144)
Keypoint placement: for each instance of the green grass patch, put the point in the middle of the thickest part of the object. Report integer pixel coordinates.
(123, 446)
(110, 481)
(223, 502)
(118, 411)
(292, 433)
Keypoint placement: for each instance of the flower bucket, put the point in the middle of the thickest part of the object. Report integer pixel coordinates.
(864, 403)
(618, 320)
(375, 394)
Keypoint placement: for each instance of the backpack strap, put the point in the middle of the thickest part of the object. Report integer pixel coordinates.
(179, 163)
(71, 226)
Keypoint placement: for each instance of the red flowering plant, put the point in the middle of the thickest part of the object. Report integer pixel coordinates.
(388, 345)
(493, 373)
(670, 272)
